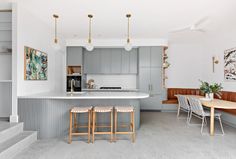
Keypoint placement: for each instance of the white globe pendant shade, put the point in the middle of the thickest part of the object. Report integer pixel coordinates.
(89, 47)
(128, 47)
(56, 46)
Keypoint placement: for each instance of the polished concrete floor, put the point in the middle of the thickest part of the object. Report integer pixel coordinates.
(161, 136)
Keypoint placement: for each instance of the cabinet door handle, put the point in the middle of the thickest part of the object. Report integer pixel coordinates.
(149, 87)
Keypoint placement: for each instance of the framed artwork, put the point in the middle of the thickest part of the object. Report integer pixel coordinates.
(230, 65)
(36, 64)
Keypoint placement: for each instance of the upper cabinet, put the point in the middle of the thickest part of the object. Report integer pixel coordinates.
(133, 61)
(92, 61)
(74, 56)
(110, 61)
(156, 56)
(116, 55)
(105, 56)
(150, 56)
(125, 62)
(144, 56)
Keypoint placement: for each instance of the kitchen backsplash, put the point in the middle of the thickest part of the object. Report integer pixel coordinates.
(124, 81)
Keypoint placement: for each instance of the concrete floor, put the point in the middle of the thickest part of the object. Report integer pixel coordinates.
(161, 136)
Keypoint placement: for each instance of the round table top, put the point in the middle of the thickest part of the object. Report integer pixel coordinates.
(217, 103)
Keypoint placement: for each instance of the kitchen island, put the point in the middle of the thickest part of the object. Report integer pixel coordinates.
(48, 113)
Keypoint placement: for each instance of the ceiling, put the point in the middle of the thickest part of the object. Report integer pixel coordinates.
(150, 18)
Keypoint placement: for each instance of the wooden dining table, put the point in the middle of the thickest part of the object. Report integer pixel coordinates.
(215, 104)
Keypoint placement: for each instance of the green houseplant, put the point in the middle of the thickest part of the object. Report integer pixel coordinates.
(210, 89)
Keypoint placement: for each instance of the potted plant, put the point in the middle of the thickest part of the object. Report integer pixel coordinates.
(210, 89)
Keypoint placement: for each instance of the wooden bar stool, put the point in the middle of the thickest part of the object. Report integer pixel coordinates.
(131, 125)
(73, 129)
(102, 109)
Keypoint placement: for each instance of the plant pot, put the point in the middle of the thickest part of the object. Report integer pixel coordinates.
(209, 96)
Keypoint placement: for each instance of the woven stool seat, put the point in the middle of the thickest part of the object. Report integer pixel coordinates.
(103, 109)
(81, 109)
(124, 109)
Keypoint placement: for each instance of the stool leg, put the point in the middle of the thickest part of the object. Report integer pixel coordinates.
(70, 128)
(89, 122)
(75, 122)
(111, 126)
(133, 123)
(93, 125)
(115, 124)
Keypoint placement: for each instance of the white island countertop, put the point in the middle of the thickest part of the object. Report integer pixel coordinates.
(87, 95)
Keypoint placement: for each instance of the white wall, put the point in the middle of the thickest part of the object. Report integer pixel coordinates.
(191, 59)
(191, 52)
(124, 81)
(217, 44)
(185, 56)
(32, 32)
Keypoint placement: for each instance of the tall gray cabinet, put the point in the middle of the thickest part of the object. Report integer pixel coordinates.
(150, 76)
(5, 63)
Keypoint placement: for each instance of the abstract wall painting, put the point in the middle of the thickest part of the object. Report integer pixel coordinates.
(36, 64)
(230, 65)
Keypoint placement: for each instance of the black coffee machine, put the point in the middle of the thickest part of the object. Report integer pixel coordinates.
(73, 83)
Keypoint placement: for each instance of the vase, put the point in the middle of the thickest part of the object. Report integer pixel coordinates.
(209, 96)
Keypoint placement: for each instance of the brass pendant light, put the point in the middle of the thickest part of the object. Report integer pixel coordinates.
(128, 45)
(56, 45)
(89, 45)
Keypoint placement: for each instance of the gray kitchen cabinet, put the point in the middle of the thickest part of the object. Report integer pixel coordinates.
(156, 56)
(74, 56)
(110, 61)
(154, 102)
(150, 56)
(150, 77)
(133, 61)
(92, 62)
(150, 80)
(125, 65)
(144, 57)
(155, 80)
(105, 60)
(144, 79)
(116, 61)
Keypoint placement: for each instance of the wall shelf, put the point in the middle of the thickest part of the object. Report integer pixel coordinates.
(164, 77)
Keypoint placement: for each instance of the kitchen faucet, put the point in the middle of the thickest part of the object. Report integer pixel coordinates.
(72, 83)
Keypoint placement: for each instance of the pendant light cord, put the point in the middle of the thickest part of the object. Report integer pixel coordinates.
(55, 38)
(128, 40)
(128, 29)
(90, 21)
(55, 30)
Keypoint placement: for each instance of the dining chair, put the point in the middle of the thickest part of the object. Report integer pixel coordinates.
(198, 111)
(183, 105)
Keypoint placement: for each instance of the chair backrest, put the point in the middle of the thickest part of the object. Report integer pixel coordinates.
(183, 101)
(196, 106)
